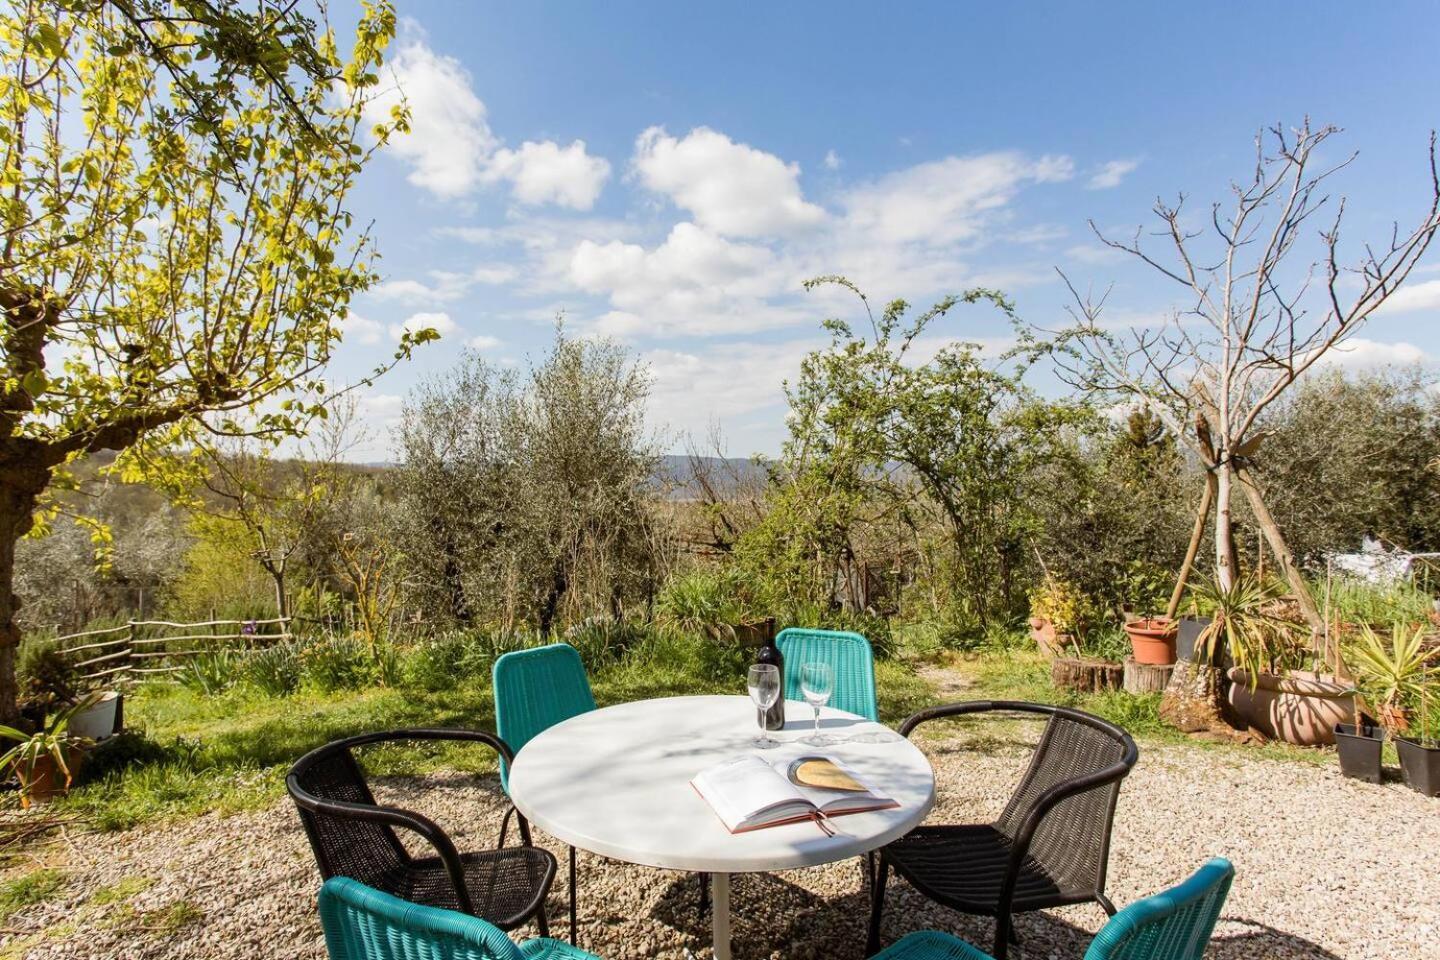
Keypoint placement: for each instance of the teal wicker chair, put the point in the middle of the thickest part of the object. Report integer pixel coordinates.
(362, 923)
(848, 653)
(534, 690)
(1174, 925)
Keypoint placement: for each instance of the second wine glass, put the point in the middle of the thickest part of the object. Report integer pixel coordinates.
(817, 683)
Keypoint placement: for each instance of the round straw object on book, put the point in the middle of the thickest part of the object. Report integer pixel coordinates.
(823, 773)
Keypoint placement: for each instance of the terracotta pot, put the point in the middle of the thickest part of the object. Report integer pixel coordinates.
(44, 781)
(1152, 641)
(1042, 631)
(1300, 707)
(1394, 718)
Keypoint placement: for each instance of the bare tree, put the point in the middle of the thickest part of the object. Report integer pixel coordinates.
(1254, 320)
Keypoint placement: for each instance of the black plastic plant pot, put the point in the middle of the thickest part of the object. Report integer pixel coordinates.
(1189, 631)
(1359, 752)
(1420, 764)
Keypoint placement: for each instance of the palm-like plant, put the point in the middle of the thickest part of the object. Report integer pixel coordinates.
(54, 741)
(1391, 674)
(1257, 640)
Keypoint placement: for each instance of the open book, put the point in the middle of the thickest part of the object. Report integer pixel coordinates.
(748, 792)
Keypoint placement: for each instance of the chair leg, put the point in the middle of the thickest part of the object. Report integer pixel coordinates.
(704, 879)
(1104, 902)
(1004, 935)
(877, 906)
(572, 898)
(541, 923)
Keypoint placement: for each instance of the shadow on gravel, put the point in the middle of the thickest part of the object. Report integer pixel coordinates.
(774, 916)
(1264, 941)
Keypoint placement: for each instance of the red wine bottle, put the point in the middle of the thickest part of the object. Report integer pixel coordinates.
(769, 653)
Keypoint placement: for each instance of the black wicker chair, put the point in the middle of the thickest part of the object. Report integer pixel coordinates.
(353, 836)
(1051, 844)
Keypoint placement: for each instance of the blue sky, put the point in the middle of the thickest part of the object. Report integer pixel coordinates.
(668, 175)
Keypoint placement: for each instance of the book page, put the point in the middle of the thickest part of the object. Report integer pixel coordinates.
(745, 789)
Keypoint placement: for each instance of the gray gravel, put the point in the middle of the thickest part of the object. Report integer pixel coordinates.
(1327, 867)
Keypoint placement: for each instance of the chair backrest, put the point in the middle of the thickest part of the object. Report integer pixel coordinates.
(344, 845)
(536, 689)
(1073, 838)
(850, 656)
(362, 923)
(1174, 925)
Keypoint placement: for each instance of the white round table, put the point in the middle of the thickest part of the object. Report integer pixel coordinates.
(616, 782)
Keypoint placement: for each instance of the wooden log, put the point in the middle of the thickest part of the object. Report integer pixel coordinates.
(1146, 677)
(1086, 675)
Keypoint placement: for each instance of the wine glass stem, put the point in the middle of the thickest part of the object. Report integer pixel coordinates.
(817, 720)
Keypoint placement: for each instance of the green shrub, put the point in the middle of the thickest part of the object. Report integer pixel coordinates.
(700, 599)
(211, 671)
(275, 671)
(602, 642)
(442, 661)
(337, 663)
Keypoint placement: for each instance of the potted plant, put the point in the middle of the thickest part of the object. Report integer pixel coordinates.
(1387, 675)
(1420, 755)
(47, 761)
(1057, 616)
(1268, 690)
(1152, 640)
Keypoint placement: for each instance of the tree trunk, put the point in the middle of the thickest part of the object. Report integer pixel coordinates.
(1325, 647)
(282, 599)
(1226, 566)
(1197, 534)
(19, 488)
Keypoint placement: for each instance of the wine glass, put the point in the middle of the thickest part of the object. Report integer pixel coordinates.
(817, 683)
(764, 684)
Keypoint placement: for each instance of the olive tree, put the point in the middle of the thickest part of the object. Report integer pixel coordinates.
(177, 251)
(1254, 319)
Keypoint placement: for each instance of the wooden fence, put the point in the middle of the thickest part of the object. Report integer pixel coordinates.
(149, 649)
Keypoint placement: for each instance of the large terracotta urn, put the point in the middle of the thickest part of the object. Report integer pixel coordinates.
(1299, 707)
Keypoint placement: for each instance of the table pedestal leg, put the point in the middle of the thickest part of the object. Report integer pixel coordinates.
(720, 913)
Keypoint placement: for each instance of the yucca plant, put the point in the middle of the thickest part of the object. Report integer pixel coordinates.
(1258, 641)
(1390, 674)
(54, 743)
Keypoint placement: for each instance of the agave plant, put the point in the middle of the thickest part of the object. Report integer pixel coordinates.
(54, 741)
(1257, 640)
(1391, 674)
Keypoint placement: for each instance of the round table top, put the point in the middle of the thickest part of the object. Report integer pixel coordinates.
(617, 782)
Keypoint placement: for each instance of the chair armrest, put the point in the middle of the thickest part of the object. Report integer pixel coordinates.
(430, 831)
(973, 706)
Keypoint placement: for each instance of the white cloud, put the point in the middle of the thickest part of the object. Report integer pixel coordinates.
(444, 286)
(728, 382)
(1414, 296)
(695, 282)
(832, 160)
(1359, 353)
(946, 201)
(731, 188)
(1110, 174)
(452, 150)
(483, 342)
(357, 329)
(1094, 254)
(549, 173)
(450, 141)
(439, 322)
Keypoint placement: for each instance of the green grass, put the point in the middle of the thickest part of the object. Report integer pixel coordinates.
(121, 891)
(1355, 601)
(34, 887)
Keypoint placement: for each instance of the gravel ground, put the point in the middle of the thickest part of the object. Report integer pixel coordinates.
(1327, 867)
